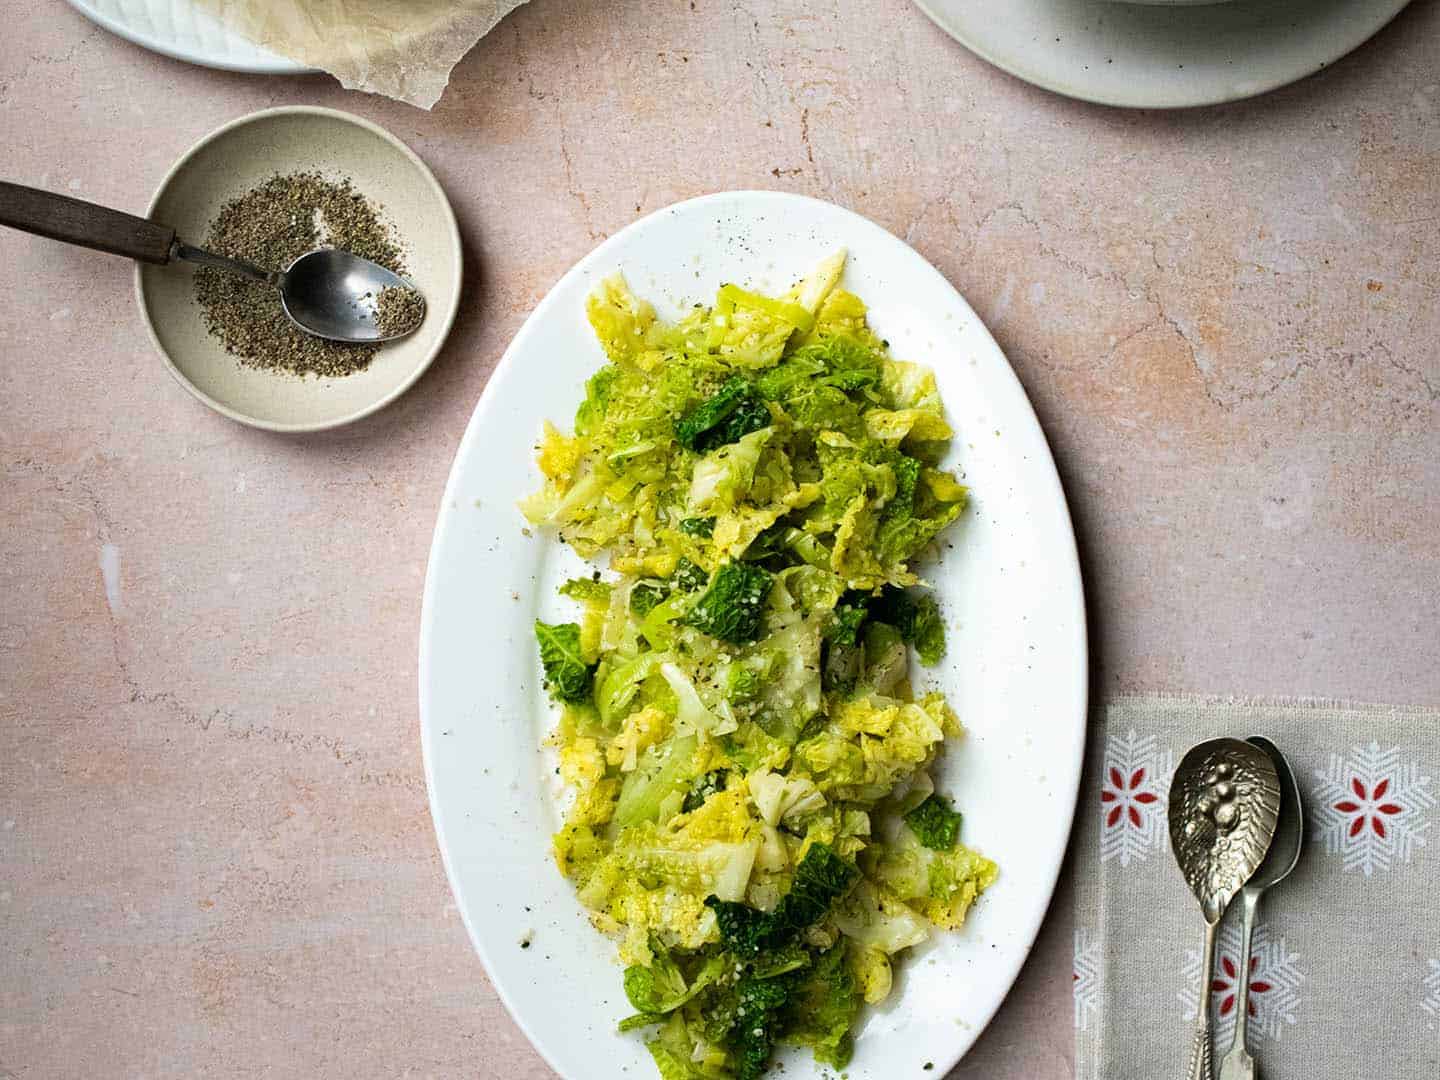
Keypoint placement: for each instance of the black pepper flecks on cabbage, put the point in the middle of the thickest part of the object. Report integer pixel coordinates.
(726, 417)
(732, 606)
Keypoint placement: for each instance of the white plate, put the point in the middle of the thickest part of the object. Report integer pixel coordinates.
(1161, 57)
(178, 28)
(1010, 588)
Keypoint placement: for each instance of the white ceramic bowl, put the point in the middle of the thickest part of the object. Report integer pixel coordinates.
(231, 161)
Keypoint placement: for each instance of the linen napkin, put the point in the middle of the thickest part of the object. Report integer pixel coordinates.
(1345, 969)
(404, 49)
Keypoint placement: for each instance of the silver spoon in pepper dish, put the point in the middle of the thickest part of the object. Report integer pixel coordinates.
(329, 293)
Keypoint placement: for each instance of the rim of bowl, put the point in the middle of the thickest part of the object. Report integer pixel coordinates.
(457, 257)
(1055, 84)
(257, 65)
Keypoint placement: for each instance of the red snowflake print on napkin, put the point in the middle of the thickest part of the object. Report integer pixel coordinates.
(1276, 980)
(1227, 984)
(1132, 802)
(1369, 811)
(1129, 798)
(1372, 807)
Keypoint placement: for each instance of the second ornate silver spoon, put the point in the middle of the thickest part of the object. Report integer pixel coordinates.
(1224, 802)
(1284, 854)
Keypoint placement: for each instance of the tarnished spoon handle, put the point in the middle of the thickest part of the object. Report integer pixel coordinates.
(1238, 1064)
(1202, 1057)
(1202, 1060)
(273, 278)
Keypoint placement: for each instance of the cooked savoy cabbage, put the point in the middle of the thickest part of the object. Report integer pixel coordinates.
(753, 817)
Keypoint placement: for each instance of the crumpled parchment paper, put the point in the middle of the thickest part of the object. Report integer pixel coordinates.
(404, 49)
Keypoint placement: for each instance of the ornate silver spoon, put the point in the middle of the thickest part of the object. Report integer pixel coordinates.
(1224, 802)
(1284, 854)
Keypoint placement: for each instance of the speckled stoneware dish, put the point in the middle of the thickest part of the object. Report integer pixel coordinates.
(232, 160)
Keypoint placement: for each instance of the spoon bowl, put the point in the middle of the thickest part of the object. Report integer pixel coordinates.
(1224, 803)
(1289, 838)
(333, 294)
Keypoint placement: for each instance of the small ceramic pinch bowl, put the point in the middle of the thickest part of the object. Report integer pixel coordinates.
(233, 160)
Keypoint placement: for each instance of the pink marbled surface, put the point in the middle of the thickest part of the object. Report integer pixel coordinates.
(215, 854)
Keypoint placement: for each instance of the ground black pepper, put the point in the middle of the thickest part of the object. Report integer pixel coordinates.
(398, 311)
(273, 225)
